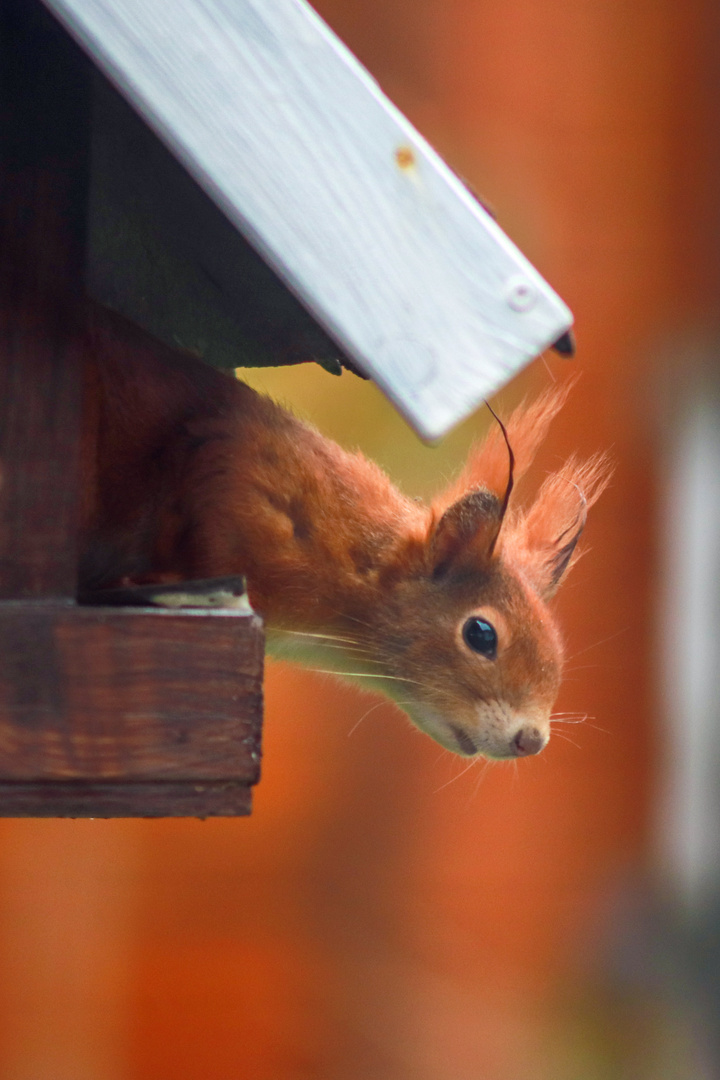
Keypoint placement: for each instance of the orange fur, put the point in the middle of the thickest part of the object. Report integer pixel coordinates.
(191, 474)
(487, 464)
(559, 510)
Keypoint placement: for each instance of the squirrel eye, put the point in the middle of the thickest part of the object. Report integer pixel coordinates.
(480, 636)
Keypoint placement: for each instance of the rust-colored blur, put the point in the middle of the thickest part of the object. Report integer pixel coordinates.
(385, 915)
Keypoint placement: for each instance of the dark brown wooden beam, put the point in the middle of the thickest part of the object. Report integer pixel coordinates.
(123, 694)
(103, 711)
(224, 798)
(44, 131)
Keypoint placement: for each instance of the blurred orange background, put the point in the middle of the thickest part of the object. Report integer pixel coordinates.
(386, 914)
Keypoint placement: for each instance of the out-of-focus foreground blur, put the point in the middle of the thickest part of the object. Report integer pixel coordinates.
(386, 913)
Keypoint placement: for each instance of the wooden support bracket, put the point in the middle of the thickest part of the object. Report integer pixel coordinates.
(104, 711)
(117, 711)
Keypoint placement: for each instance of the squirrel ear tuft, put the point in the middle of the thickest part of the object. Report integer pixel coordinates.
(546, 536)
(558, 556)
(466, 533)
(487, 463)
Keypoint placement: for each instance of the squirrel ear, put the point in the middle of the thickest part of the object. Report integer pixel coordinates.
(467, 531)
(545, 537)
(556, 558)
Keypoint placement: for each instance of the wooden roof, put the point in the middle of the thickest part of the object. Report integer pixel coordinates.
(301, 153)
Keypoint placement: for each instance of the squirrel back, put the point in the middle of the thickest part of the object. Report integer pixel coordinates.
(191, 474)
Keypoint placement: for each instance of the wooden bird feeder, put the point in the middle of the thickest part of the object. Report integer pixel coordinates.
(229, 178)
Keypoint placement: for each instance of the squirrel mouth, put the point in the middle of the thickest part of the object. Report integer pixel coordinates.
(517, 736)
(465, 743)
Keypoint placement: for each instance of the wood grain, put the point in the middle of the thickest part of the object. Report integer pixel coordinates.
(43, 127)
(123, 694)
(103, 712)
(98, 800)
(298, 146)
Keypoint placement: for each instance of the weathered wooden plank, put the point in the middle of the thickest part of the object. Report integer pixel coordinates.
(128, 694)
(39, 453)
(89, 799)
(304, 154)
(44, 121)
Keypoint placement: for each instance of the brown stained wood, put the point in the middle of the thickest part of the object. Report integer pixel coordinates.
(88, 799)
(44, 121)
(103, 712)
(39, 436)
(124, 695)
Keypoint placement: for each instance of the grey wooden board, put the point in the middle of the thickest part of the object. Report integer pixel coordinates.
(298, 146)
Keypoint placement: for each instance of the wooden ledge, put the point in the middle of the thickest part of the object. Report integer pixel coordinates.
(128, 711)
(83, 799)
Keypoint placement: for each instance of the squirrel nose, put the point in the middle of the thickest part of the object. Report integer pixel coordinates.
(527, 741)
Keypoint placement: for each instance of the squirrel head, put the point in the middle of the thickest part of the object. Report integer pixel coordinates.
(472, 651)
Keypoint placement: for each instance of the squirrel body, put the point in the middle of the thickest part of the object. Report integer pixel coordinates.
(189, 473)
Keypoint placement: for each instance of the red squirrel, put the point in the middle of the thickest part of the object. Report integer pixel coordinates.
(443, 608)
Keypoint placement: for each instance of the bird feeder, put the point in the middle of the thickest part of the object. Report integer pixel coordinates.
(231, 180)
